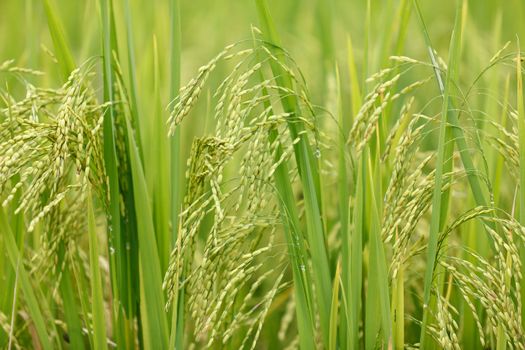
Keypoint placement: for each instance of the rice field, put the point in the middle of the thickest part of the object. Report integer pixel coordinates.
(263, 174)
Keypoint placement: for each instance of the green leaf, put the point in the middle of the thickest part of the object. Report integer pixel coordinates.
(334, 310)
(30, 294)
(521, 145)
(309, 175)
(62, 51)
(438, 204)
(97, 295)
(155, 327)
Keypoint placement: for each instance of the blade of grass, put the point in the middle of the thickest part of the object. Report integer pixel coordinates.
(344, 207)
(62, 52)
(448, 156)
(176, 339)
(308, 173)
(385, 36)
(372, 310)
(297, 251)
(499, 161)
(80, 274)
(474, 242)
(132, 77)
(110, 157)
(356, 264)
(521, 143)
(355, 90)
(160, 167)
(366, 49)
(177, 167)
(97, 295)
(74, 328)
(176, 163)
(127, 252)
(154, 324)
(28, 290)
(353, 244)
(5, 300)
(398, 311)
(437, 199)
(453, 121)
(334, 310)
(378, 291)
(119, 234)
(11, 281)
(13, 309)
(295, 244)
(66, 64)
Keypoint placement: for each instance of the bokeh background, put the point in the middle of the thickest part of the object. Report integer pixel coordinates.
(315, 32)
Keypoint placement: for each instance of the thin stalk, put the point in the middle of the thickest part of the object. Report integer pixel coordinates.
(344, 208)
(334, 310)
(13, 309)
(499, 160)
(366, 58)
(398, 310)
(62, 52)
(296, 247)
(111, 166)
(153, 316)
(378, 291)
(177, 167)
(356, 264)
(130, 290)
(308, 173)
(453, 121)
(353, 244)
(160, 169)
(83, 290)
(521, 146)
(97, 295)
(355, 90)
(437, 199)
(74, 327)
(66, 65)
(134, 106)
(30, 293)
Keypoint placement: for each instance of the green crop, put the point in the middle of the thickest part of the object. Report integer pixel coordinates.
(262, 174)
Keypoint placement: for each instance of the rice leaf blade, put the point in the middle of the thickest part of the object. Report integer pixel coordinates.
(97, 295)
(438, 205)
(310, 181)
(63, 53)
(30, 294)
(154, 325)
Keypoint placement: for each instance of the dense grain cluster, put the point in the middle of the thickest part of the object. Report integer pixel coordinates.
(239, 253)
(50, 143)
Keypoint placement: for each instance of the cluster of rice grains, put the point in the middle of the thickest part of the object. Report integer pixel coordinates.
(494, 282)
(225, 278)
(489, 285)
(231, 281)
(50, 151)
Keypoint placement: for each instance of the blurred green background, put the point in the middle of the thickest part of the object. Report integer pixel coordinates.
(315, 32)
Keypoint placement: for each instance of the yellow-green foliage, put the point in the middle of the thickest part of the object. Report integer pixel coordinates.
(345, 175)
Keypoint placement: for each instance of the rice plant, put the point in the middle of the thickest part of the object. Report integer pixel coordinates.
(262, 175)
